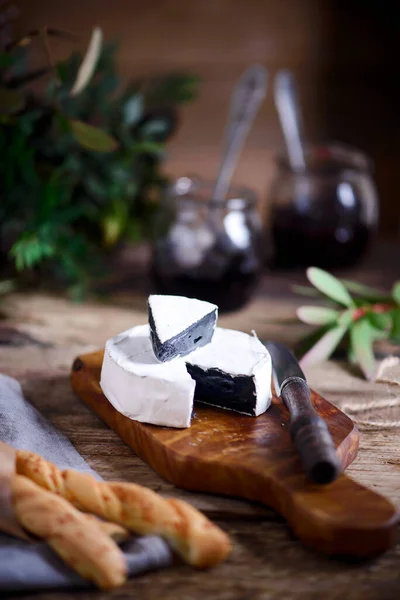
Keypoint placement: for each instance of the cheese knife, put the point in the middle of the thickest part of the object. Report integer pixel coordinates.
(309, 431)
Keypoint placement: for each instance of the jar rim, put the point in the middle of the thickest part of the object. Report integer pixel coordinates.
(334, 154)
(192, 189)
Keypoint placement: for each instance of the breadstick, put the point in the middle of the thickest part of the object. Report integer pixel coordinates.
(190, 533)
(113, 530)
(79, 541)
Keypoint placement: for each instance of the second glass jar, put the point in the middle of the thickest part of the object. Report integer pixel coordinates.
(205, 250)
(326, 215)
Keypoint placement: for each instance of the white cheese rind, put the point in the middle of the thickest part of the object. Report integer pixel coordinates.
(234, 354)
(142, 388)
(174, 314)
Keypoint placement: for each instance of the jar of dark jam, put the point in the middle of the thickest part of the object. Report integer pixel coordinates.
(325, 215)
(205, 250)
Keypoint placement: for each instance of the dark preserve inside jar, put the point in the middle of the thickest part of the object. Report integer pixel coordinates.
(326, 215)
(205, 251)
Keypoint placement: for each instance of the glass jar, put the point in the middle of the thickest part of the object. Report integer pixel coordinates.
(207, 251)
(326, 215)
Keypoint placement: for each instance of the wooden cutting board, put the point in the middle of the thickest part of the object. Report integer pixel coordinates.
(226, 453)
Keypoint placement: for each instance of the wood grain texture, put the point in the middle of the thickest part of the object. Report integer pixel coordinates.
(231, 454)
(267, 563)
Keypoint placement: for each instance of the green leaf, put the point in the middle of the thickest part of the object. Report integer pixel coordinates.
(308, 341)
(305, 290)
(351, 356)
(368, 293)
(378, 334)
(361, 344)
(395, 333)
(148, 147)
(11, 101)
(133, 109)
(92, 138)
(317, 315)
(346, 317)
(381, 321)
(158, 127)
(359, 302)
(29, 251)
(329, 285)
(323, 349)
(114, 222)
(396, 292)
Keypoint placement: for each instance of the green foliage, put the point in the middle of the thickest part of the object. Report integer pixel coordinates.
(133, 109)
(92, 138)
(325, 345)
(329, 285)
(79, 161)
(317, 315)
(395, 332)
(361, 340)
(396, 292)
(365, 292)
(30, 249)
(370, 315)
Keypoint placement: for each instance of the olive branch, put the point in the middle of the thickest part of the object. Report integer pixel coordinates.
(357, 314)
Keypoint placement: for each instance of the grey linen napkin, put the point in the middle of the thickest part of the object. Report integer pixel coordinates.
(34, 566)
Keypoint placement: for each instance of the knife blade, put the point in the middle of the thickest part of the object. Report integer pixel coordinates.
(309, 431)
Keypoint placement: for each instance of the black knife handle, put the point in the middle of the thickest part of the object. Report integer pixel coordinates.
(310, 433)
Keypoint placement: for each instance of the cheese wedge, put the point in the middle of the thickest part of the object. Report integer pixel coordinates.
(179, 325)
(142, 388)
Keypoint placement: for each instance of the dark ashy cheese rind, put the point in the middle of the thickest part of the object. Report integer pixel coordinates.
(233, 372)
(184, 342)
(197, 335)
(216, 388)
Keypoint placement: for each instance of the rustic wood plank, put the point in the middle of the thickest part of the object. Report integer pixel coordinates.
(267, 562)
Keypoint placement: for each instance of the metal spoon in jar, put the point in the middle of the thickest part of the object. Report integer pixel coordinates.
(287, 104)
(246, 98)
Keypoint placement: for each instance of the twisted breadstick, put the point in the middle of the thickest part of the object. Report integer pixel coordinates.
(190, 533)
(113, 530)
(80, 541)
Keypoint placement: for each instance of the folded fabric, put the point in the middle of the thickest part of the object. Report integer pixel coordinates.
(25, 566)
(33, 566)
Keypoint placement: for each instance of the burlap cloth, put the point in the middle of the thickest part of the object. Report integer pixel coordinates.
(372, 405)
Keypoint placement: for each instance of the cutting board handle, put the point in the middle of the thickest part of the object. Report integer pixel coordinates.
(342, 518)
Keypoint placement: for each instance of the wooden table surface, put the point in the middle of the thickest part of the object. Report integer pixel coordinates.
(267, 562)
